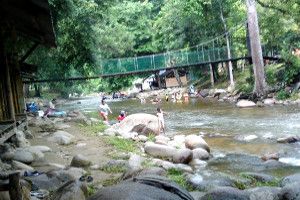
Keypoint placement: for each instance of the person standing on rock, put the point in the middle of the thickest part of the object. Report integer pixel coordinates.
(103, 110)
(161, 121)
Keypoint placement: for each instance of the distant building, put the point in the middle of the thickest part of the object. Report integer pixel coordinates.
(168, 78)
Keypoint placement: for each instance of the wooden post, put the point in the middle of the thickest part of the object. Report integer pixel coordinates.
(15, 191)
(9, 92)
(158, 80)
(212, 81)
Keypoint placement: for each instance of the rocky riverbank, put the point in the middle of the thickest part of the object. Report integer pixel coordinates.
(75, 157)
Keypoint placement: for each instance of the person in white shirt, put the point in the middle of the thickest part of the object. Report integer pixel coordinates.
(161, 121)
(103, 110)
(51, 108)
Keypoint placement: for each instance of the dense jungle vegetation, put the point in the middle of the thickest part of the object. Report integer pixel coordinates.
(90, 30)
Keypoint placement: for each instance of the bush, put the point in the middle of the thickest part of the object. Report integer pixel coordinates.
(292, 68)
(282, 95)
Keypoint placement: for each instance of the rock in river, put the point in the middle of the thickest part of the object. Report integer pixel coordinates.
(245, 104)
(196, 141)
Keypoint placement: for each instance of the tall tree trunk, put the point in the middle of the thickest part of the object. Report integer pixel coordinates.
(227, 45)
(175, 71)
(260, 86)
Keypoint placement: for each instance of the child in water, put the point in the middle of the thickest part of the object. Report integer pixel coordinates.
(103, 110)
(121, 116)
(161, 121)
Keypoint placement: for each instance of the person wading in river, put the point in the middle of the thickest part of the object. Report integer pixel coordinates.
(161, 121)
(103, 110)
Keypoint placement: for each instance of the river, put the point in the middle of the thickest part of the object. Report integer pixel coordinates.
(223, 125)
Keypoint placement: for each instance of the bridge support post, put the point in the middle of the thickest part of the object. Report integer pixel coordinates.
(158, 79)
(177, 77)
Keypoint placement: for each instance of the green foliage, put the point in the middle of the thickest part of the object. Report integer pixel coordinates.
(122, 144)
(91, 189)
(151, 137)
(245, 81)
(292, 68)
(273, 74)
(282, 95)
(178, 177)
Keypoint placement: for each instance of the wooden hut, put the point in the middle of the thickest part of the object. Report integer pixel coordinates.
(19, 20)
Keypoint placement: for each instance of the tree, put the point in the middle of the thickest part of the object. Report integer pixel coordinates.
(260, 85)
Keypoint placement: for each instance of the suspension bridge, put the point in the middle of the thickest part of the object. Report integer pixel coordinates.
(210, 51)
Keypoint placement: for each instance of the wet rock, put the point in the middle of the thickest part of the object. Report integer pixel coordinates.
(225, 193)
(182, 156)
(196, 141)
(245, 104)
(62, 138)
(294, 178)
(80, 161)
(290, 192)
(200, 154)
(267, 193)
(23, 156)
(272, 156)
(142, 123)
(289, 139)
(259, 176)
(72, 190)
(21, 166)
(269, 101)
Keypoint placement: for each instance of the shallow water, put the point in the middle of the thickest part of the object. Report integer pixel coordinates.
(222, 124)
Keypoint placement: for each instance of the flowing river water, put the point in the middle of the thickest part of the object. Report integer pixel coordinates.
(225, 127)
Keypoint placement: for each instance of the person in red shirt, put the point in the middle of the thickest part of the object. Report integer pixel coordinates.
(121, 116)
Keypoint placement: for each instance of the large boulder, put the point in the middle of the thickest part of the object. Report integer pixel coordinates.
(245, 104)
(143, 188)
(21, 166)
(182, 156)
(196, 141)
(23, 156)
(200, 154)
(169, 153)
(62, 138)
(142, 123)
(80, 161)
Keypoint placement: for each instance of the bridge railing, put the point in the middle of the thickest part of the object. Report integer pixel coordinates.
(174, 59)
